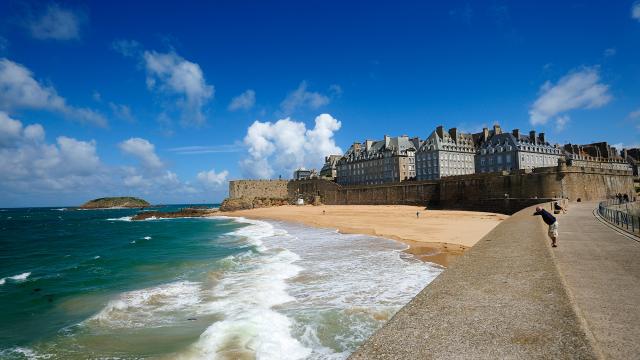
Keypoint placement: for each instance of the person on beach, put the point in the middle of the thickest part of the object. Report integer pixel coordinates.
(558, 208)
(551, 221)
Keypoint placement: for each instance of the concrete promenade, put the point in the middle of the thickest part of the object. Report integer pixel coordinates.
(601, 269)
(503, 299)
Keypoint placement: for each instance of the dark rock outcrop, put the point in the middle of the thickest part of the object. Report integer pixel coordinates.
(182, 213)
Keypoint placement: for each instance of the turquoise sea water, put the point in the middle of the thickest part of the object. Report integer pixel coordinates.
(92, 284)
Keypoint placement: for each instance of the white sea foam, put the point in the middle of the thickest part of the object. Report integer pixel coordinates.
(16, 278)
(60, 209)
(96, 257)
(150, 307)
(124, 218)
(246, 297)
(147, 237)
(23, 353)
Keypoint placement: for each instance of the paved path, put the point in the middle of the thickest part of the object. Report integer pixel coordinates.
(503, 299)
(601, 269)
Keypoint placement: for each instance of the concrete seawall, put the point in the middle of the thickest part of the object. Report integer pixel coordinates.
(502, 299)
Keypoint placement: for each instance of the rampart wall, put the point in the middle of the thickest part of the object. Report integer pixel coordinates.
(497, 192)
(251, 189)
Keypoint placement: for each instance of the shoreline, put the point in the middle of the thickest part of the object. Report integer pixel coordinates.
(457, 230)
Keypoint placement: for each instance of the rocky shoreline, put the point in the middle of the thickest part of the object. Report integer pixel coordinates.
(182, 213)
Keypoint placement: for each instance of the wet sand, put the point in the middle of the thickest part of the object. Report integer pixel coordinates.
(437, 236)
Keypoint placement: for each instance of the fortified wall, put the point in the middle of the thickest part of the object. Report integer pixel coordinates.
(251, 189)
(505, 192)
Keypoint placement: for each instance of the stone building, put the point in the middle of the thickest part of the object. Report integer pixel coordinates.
(596, 155)
(632, 156)
(503, 151)
(376, 162)
(329, 170)
(445, 154)
(303, 174)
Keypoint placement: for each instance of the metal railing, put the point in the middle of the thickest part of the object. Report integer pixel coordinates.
(617, 213)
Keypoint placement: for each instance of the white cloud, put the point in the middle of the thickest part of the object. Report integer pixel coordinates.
(173, 75)
(69, 171)
(29, 164)
(56, 23)
(577, 90)
(127, 48)
(211, 179)
(281, 147)
(635, 10)
(610, 52)
(561, 122)
(19, 90)
(209, 149)
(122, 111)
(635, 114)
(142, 150)
(244, 101)
(4, 44)
(301, 98)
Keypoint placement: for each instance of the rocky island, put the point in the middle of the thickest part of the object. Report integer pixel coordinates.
(115, 202)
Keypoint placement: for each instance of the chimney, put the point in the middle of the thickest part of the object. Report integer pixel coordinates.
(453, 132)
(516, 133)
(532, 136)
(386, 140)
(485, 134)
(541, 137)
(356, 146)
(496, 129)
(367, 144)
(439, 131)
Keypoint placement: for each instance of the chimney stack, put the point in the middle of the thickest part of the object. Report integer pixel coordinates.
(516, 133)
(439, 131)
(485, 134)
(541, 137)
(453, 132)
(386, 140)
(367, 144)
(532, 136)
(496, 129)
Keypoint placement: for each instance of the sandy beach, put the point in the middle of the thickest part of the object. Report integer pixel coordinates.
(437, 236)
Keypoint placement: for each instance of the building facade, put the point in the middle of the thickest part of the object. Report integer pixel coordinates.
(329, 170)
(445, 154)
(596, 155)
(376, 162)
(303, 174)
(503, 151)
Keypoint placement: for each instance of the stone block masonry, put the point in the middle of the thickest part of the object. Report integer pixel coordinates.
(496, 192)
(251, 189)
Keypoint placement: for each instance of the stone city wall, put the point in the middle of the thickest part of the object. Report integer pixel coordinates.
(250, 189)
(497, 192)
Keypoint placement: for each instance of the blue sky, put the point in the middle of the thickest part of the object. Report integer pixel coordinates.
(169, 101)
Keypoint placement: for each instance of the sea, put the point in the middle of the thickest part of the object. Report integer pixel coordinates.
(92, 284)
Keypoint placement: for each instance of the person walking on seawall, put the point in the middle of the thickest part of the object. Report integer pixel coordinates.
(557, 208)
(417, 214)
(551, 221)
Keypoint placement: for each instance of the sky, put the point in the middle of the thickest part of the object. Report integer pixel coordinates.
(169, 101)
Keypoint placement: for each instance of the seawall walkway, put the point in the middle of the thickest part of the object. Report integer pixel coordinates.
(601, 268)
(505, 298)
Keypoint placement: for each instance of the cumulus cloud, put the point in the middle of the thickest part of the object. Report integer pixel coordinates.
(301, 98)
(244, 101)
(281, 147)
(211, 179)
(635, 10)
(122, 112)
(127, 48)
(561, 122)
(56, 23)
(173, 75)
(143, 151)
(20, 90)
(580, 89)
(30, 164)
(69, 171)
